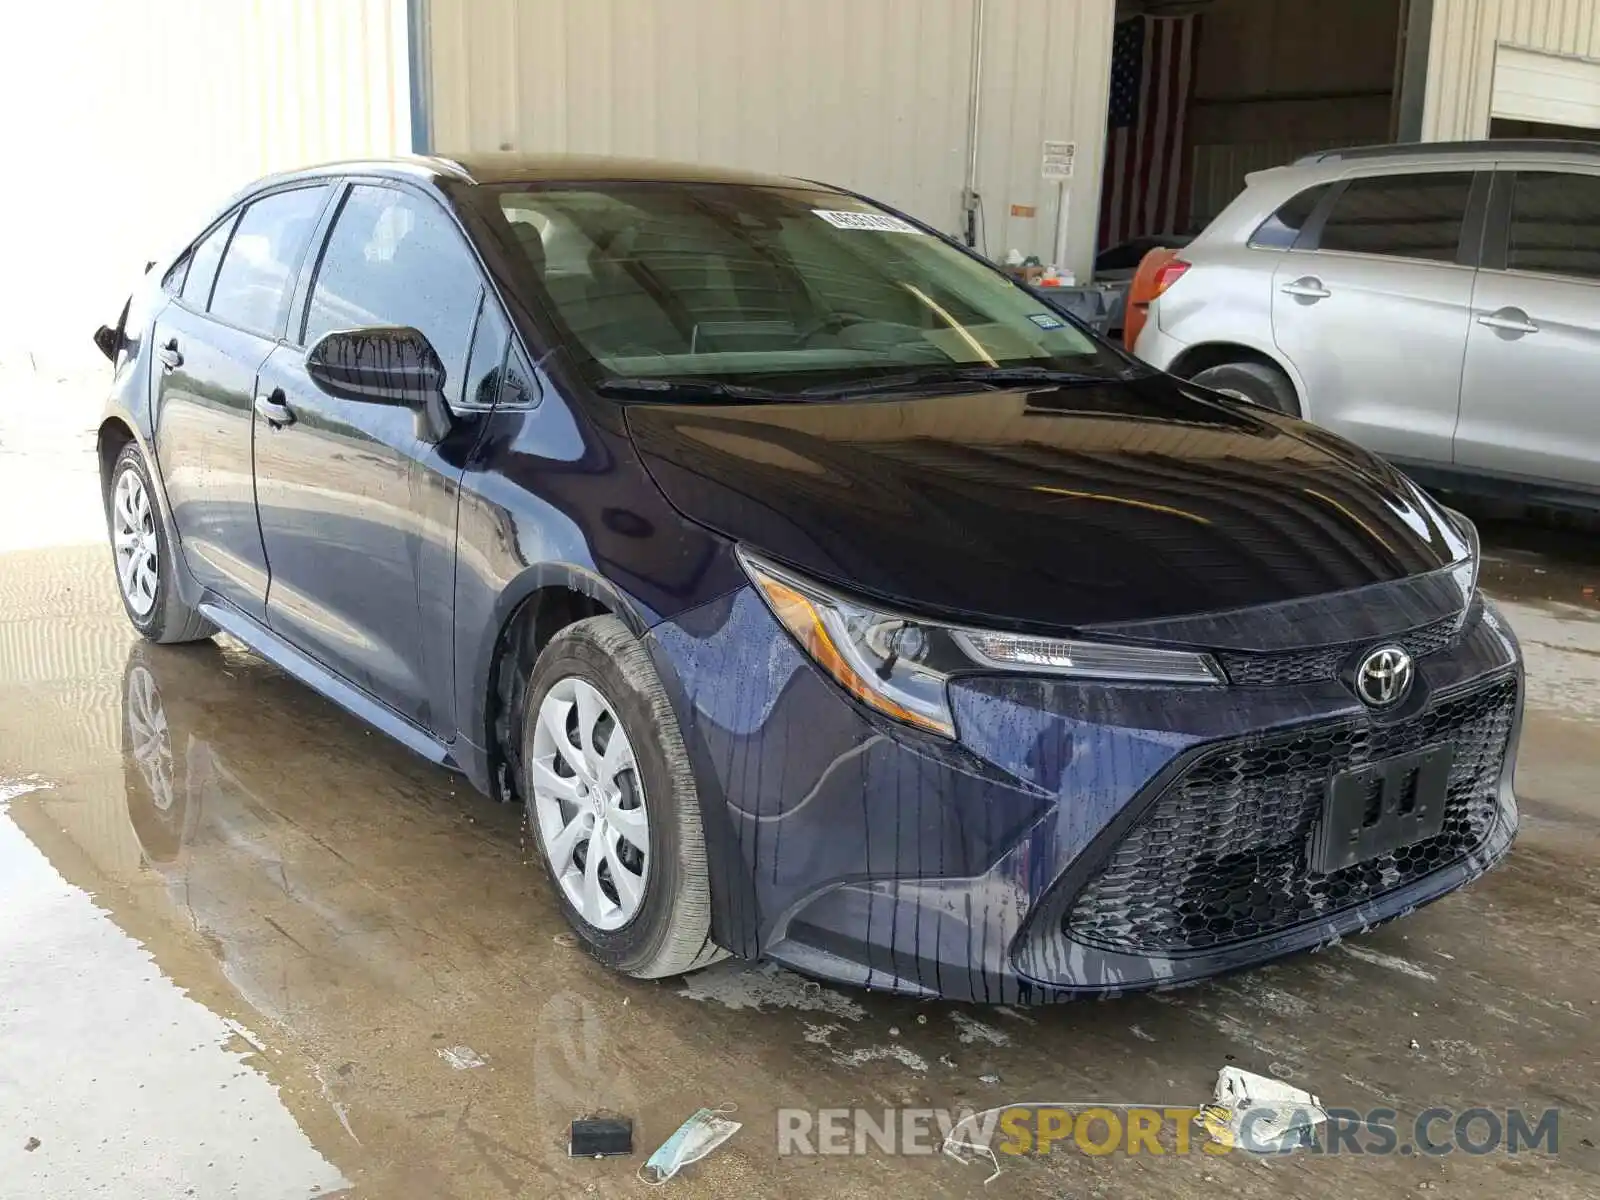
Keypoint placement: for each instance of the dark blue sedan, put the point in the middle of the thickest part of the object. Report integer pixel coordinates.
(821, 593)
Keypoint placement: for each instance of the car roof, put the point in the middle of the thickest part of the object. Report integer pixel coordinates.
(506, 168)
(1487, 150)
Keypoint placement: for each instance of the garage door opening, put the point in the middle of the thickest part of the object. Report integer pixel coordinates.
(1506, 127)
(1544, 95)
(1203, 92)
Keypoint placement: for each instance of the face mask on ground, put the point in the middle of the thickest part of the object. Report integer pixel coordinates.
(695, 1138)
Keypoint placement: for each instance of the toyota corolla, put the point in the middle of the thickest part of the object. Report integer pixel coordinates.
(822, 594)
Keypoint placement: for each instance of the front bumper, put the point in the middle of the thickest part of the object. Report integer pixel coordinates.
(1013, 865)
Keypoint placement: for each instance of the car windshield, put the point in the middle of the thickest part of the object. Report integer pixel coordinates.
(786, 289)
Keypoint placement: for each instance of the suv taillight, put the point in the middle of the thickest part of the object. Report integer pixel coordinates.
(1168, 274)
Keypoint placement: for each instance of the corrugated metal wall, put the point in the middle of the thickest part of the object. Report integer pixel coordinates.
(1462, 53)
(170, 106)
(869, 94)
(1046, 77)
(1275, 79)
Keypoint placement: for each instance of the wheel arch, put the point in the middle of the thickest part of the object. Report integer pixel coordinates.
(1202, 355)
(540, 602)
(113, 436)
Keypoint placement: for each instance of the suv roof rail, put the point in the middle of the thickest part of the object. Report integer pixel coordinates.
(1487, 146)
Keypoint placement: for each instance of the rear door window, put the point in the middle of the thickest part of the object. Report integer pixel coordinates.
(395, 258)
(200, 268)
(1279, 231)
(1418, 215)
(1555, 224)
(256, 279)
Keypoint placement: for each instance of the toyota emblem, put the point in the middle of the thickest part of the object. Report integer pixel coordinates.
(1384, 677)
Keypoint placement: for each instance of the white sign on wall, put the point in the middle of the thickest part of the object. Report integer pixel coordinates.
(1058, 160)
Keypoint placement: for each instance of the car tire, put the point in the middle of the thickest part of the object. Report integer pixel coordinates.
(1252, 381)
(153, 604)
(661, 926)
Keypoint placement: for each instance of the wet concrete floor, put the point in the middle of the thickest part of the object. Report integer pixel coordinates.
(245, 945)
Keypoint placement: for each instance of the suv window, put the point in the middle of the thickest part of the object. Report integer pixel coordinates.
(1555, 224)
(200, 267)
(1279, 231)
(395, 258)
(1408, 216)
(256, 279)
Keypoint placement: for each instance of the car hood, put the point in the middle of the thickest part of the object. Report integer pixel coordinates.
(1070, 506)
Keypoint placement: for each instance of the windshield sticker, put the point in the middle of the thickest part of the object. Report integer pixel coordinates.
(877, 222)
(1046, 321)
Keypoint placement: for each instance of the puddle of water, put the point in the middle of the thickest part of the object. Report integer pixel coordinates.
(125, 1082)
(1561, 651)
(767, 986)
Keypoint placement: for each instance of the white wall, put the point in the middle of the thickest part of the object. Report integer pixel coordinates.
(868, 94)
(128, 120)
(1465, 39)
(1046, 77)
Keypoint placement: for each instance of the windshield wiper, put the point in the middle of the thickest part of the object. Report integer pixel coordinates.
(1026, 374)
(684, 389)
(992, 377)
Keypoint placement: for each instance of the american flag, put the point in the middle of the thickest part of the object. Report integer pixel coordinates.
(1145, 184)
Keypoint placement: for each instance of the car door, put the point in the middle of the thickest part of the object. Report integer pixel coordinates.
(348, 491)
(230, 296)
(1371, 310)
(1528, 406)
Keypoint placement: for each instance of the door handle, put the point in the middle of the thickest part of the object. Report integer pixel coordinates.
(273, 408)
(171, 358)
(1512, 320)
(1308, 287)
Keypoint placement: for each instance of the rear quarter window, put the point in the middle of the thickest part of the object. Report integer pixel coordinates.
(1282, 228)
(195, 274)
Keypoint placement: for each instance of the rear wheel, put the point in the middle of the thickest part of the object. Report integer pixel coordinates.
(143, 556)
(1252, 381)
(611, 803)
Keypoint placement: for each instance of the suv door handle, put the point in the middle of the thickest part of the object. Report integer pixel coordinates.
(1510, 319)
(1308, 287)
(171, 358)
(274, 408)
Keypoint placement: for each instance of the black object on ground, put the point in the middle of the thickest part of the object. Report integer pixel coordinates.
(600, 1137)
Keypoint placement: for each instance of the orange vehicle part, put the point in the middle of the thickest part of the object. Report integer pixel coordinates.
(1144, 288)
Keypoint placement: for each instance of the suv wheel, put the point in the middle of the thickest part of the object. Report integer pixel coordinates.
(611, 803)
(1252, 381)
(142, 555)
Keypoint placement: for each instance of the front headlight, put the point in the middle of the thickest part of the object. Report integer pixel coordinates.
(896, 664)
(901, 665)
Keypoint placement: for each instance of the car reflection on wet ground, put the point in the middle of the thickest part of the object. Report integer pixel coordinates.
(249, 947)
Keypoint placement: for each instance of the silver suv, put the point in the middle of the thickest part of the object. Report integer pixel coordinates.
(1437, 303)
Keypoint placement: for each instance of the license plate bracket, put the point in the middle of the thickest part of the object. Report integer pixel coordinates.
(1381, 807)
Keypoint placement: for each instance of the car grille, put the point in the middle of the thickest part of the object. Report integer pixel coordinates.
(1221, 855)
(1323, 663)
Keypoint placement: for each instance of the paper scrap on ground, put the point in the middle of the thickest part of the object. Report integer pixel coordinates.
(1262, 1115)
(461, 1057)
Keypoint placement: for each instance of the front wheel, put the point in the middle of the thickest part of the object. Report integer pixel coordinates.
(143, 558)
(612, 805)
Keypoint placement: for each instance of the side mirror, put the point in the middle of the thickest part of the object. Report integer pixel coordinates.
(382, 365)
(107, 341)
